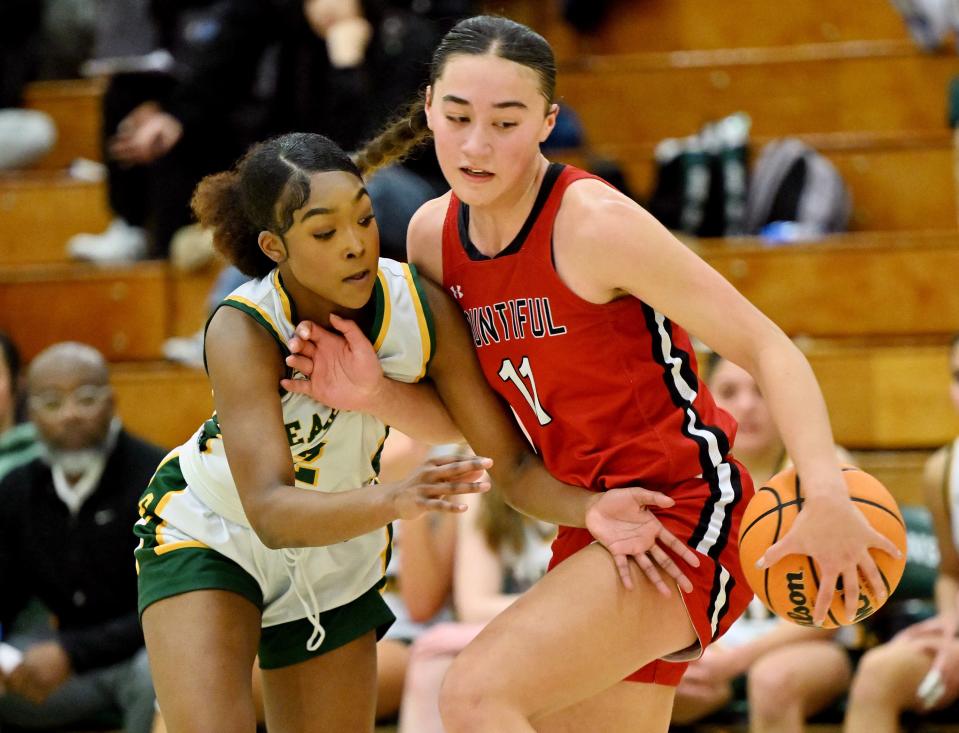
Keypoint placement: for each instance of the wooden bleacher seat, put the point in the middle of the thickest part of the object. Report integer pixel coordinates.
(126, 312)
(75, 107)
(900, 471)
(893, 396)
(123, 312)
(898, 181)
(849, 86)
(670, 25)
(160, 401)
(864, 284)
(41, 210)
(885, 397)
(189, 292)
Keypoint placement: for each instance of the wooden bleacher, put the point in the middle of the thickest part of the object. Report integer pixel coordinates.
(832, 87)
(898, 181)
(40, 210)
(75, 108)
(860, 284)
(673, 25)
(162, 401)
(875, 308)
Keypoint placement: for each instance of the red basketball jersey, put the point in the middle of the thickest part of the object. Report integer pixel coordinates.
(608, 394)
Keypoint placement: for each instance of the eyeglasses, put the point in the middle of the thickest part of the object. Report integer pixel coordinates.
(86, 400)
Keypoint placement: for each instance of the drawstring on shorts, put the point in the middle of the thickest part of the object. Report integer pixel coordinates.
(291, 556)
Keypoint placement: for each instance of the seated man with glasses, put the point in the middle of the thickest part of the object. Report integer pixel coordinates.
(65, 539)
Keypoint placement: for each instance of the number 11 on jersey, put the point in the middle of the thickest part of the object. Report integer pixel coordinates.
(509, 373)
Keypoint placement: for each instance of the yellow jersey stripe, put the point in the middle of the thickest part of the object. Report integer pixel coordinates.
(171, 546)
(262, 313)
(166, 459)
(420, 319)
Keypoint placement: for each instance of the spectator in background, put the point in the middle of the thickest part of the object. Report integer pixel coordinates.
(65, 539)
(793, 671)
(419, 577)
(265, 67)
(918, 670)
(18, 441)
(499, 554)
(146, 47)
(25, 135)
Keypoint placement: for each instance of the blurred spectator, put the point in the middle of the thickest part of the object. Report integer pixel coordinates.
(419, 577)
(929, 22)
(146, 47)
(65, 539)
(257, 68)
(18, 440)
(918, 670)
(68, 35)
(788, 672)
(585, 15)
(25, 135)
(499, 554)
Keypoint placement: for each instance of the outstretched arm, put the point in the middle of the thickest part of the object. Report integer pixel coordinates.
(255, 442)
(639, 257)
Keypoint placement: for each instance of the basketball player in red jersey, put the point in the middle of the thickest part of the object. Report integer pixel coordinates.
(573, 294)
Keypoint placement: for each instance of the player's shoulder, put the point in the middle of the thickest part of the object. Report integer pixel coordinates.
(424, 237)
(591, 206)
(427, 223)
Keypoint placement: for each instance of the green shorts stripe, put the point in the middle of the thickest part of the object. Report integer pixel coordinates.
(188, 569)
(164, 571)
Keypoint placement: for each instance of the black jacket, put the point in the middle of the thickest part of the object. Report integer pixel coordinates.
(305, 93)
(81, 567)
(19, 39)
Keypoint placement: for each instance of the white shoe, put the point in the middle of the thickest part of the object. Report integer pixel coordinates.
(120, 243)
(186, 350)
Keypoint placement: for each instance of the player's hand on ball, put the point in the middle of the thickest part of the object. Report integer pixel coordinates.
(342, 370)
(836, 535)
(620, 520)
(431, 486)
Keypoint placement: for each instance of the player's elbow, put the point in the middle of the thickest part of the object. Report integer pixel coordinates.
(265, 521)
(510, 475)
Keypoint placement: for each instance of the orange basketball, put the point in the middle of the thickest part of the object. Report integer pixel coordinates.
(790, 586)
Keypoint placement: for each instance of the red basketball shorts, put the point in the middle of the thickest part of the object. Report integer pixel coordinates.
(706, 517)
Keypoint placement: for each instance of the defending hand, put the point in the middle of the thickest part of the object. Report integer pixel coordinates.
(342, 370)
(429, 487)
(620, 520)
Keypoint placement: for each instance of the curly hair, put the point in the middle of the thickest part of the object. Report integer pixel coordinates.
(268, 184)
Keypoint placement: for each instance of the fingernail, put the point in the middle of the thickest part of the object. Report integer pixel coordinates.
(761, 563)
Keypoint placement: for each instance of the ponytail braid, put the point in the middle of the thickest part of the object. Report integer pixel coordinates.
(396, 141)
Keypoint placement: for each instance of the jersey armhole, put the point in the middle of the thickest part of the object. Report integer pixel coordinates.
(424, 317)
